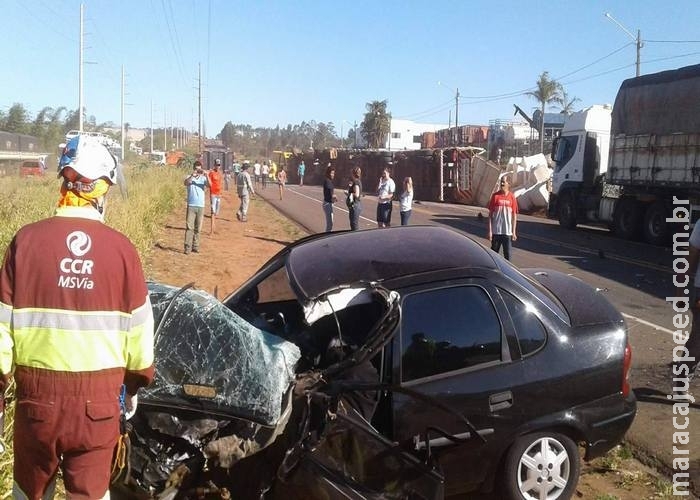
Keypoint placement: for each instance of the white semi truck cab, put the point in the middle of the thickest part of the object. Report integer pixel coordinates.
(584, 141)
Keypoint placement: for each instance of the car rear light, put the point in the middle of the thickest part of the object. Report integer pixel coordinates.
(626, 365)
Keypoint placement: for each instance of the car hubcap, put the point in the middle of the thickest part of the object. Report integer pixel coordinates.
(543, 471)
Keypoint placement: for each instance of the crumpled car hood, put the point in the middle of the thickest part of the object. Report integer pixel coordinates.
(209, 358)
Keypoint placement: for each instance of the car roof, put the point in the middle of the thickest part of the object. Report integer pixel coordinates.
(319, 264)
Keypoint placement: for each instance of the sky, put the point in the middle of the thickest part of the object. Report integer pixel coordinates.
(273, 62)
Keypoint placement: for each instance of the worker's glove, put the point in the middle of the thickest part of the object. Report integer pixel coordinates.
(130, 403)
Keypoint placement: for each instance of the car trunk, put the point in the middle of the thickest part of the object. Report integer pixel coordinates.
(585, 305)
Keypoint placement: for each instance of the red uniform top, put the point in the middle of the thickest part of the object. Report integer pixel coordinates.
(73, 299)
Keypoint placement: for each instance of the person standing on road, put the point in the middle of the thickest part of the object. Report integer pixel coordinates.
(214, 178)
(245, 191)
(329, 198)
(282, 180)
(406, 201)
(265, 173)
(354, 199)
(76, 326)
(256, 172)
(227, 177)
(385, 193)
(503, 218)
(196, 184)
(301, 170)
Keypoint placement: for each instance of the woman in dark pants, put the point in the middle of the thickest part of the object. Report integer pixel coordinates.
(354, 200)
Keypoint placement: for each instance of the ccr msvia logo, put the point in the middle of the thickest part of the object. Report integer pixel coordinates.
(78, 243)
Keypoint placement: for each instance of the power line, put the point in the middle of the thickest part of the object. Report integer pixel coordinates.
(173, 46)
(430, 110)
(671, 41)
(520, 92)
(509, 95)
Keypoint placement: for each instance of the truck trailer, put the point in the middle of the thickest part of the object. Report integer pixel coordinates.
(636, 166)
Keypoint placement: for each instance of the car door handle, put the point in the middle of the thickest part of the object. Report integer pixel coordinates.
(500, 401)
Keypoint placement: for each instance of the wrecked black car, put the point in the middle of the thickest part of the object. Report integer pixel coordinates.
(407, 362)
(237, 412)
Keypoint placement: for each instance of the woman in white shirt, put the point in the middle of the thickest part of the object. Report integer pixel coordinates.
(406, 200)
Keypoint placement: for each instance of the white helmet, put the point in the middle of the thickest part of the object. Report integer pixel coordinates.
(89, 158)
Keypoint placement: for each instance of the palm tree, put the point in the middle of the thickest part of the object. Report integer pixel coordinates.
(567, 103)
(548, 91)
(377, 124)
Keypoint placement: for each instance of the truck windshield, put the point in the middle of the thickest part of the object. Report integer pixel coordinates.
(565, 148)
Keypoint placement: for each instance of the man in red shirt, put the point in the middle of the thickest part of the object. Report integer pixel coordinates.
(215, 180)
(503, 218)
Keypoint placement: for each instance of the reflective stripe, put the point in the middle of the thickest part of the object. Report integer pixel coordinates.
(6, 343)
(70, 320)
(82, 341)
(70, 350)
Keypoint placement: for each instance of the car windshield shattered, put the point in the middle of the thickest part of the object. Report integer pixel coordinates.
(236, 411)
(208, 357)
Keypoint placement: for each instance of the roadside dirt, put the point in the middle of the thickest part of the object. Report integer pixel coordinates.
(236, 250)
(227, 257)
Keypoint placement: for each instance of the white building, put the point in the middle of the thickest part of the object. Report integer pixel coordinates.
(407, 134)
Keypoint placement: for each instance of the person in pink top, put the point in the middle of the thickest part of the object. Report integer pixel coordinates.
(503, 218)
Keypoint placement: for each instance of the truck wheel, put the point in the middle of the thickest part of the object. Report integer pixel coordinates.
(541, 465)
(656, 230)
(567, 212)
(628, 219)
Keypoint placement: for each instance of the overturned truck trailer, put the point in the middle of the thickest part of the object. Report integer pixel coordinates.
(454, 175)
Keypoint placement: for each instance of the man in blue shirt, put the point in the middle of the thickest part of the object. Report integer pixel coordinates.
(301, 170)
(196, 184)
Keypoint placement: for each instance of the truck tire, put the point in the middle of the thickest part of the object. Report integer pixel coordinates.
(656, 230)
(628, 219)
(567, 211)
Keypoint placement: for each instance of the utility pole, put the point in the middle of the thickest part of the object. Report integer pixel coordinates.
(457, 118)
(355, 133)
(122, 114)
(165, 133)
(199, 82)
(637, 40)
(80, 73)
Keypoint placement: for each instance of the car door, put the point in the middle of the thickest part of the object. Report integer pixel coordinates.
(457, 346)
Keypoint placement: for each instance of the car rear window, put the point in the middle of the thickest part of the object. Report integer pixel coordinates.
(538, 291)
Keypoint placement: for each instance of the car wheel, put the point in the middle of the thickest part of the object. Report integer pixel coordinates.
(543, 465)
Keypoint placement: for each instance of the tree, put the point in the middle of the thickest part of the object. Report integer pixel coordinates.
(17, 120)
(548, 91)
(567, 103)
(377, 124)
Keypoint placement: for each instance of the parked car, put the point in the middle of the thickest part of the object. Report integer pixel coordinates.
(417, 364)
(32, 168)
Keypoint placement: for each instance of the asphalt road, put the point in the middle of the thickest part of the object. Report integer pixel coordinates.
(635, 277)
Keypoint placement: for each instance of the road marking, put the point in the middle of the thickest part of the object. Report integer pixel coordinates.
(472, 210)
(648, 323)
(335, 207)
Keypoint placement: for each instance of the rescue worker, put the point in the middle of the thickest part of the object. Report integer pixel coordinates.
(75, 325)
